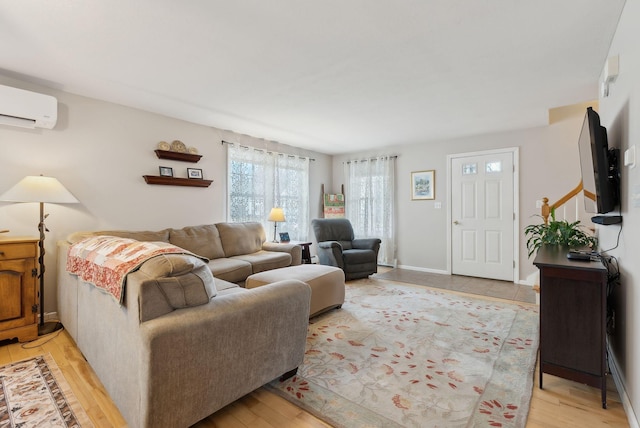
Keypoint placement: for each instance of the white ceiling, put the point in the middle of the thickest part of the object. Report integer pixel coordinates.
(333, 76)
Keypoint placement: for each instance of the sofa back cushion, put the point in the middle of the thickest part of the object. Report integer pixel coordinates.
(202, 240)
(144, 235)
(241, 238)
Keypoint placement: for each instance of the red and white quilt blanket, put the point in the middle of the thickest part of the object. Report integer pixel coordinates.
(105, 261)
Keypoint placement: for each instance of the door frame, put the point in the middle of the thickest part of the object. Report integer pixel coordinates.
(515, 152)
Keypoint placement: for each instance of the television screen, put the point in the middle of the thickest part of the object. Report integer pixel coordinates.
(599, 171)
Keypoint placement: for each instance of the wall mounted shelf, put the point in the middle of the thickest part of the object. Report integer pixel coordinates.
(174, 181)
(184, 157)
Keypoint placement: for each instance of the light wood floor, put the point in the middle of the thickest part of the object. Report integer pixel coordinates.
(561, 404)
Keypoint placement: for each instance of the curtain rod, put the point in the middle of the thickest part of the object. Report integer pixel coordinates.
(373, 159)
(267, 151)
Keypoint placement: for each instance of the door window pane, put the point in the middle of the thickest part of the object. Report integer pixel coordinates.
(494, 166)
(469, 168)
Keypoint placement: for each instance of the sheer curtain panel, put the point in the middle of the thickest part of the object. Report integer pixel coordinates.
(259, 180)
(370, 202)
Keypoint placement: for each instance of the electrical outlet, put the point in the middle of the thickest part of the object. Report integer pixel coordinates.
(630, 157)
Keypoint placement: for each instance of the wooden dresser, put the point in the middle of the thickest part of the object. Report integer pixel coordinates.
(573, 312)
(18, 288)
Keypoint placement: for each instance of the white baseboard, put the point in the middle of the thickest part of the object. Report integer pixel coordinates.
(442, 272)
(49, 316)
(531, 280)
(617, 379)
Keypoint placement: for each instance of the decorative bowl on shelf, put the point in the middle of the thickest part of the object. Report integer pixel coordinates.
(178, 146)
(163, 145)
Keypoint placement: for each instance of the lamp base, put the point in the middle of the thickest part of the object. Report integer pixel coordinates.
(49, 327)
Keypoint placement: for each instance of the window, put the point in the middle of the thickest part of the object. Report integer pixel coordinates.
(259, 180)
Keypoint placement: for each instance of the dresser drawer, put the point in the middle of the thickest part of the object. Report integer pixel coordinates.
(18, 250)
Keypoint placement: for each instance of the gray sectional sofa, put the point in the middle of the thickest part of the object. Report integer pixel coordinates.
(234, 250)
(188, 340)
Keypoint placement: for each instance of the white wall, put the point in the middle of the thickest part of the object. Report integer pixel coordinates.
(549, 166)
(100, 151)
(620, 114)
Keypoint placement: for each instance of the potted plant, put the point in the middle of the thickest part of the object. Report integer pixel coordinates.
(558, 232)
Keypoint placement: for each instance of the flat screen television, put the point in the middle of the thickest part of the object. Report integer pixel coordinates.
(599, 166)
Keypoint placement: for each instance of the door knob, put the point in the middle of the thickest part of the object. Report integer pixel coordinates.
(456, 222)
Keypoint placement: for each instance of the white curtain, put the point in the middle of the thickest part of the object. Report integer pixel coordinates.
(259, 180)
(370, 202)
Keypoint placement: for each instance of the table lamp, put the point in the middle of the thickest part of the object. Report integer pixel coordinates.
(40, 189)
(276, 215)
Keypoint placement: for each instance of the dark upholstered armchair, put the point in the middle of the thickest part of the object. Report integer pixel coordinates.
(358, 258)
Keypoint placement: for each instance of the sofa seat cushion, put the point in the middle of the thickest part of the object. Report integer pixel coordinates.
(223, 286)
(202, 240)
(265, 260)
(358, 256)
(229, 269)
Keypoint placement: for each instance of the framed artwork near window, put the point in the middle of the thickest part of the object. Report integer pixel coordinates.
(423, 185)
(166, 171)
(194, 173)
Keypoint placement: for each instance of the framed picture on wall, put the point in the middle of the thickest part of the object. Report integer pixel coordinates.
(423, 185)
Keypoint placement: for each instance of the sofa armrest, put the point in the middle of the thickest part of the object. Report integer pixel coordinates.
(293, 249)
(224, 349)
(366, 244)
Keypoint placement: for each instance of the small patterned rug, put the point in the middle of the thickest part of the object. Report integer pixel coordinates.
(399, 355)
(34, 393)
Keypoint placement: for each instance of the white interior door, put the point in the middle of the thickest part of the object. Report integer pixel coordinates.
(483, 215)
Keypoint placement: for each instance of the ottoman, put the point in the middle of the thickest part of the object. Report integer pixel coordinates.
(326, 282)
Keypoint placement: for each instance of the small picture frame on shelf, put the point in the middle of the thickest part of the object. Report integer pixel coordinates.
(195, 173)
(284, 237)
(166, 171)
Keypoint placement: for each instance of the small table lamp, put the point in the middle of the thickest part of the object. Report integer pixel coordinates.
(276, 215)
(40, 189)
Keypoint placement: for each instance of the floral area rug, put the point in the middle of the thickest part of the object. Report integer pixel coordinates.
(398, 355)
(33, 393)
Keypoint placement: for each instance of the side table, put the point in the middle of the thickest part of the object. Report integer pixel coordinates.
(573, 317)
(18, 286)
(306, 253)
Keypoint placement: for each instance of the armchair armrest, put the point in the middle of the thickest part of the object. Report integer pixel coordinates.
(330, 253)
(330, 245)
(366, 243)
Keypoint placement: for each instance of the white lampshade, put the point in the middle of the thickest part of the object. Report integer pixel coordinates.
(34, 188)
(276, 214)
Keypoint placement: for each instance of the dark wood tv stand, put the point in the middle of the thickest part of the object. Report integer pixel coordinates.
(573, 313)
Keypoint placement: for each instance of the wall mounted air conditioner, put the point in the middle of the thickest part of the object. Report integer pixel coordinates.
(27, 109)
